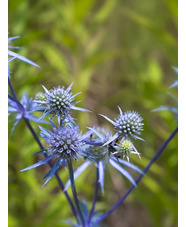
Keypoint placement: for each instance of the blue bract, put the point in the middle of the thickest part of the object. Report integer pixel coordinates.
(102, 156)
(18, 56)
(24, 108)
(63, 143)
(128, 125)
(57, 101)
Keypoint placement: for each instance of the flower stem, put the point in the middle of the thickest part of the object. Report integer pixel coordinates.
(41, 146)
(12, 90)
(51, 165)
(138, 179)
(71, 173)
(93, 143)
(95, 198)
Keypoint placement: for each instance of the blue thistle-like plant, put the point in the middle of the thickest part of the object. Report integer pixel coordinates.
(125, 147)
(23, 109)
(57, 101)
(102, 156)
(63, 143)
(128, 125)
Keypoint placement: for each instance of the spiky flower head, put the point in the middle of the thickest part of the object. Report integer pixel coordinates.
(57, 101)
(65, 142)
(125, 148)
(40, 96)
(129, 124)
(102, 156)
(94, 151)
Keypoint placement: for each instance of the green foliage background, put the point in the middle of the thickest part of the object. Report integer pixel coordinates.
(117, 52)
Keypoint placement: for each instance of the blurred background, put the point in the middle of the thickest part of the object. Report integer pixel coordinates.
(117, 52)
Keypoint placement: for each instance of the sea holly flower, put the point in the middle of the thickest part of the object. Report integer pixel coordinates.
(57, 101)
(102, 156)
(22, 109)
(125, 147)
(128, 125)
(63, 143)
(18, 56)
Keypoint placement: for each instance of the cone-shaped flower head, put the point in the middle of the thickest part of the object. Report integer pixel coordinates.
(94, 151)
(57, 101)
(103, 156)
(125, 148)
(65, 142)
(128, 125)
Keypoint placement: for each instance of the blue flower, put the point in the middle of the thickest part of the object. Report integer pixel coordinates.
(63, 143)
(22, 109)
(15, 55)
(57, 101)
(102, 156)
(128, 125)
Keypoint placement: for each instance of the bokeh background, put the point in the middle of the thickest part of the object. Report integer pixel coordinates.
(117, 52)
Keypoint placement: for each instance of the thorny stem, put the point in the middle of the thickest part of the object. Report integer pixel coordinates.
(138, 179)
(95, 197)
(14, 98)
(71, 173)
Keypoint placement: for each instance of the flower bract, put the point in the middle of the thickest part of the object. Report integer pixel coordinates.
(57, 101)
(128, 125)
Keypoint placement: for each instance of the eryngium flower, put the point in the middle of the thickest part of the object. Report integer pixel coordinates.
(102, 156)
(125, 148)
(23, 109)
(63, 143)
(127, 125)
(57, 101)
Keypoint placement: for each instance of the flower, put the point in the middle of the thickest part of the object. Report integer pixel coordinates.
(15, 55)
(57, 101)
(63, 143)
(127, 125)
(22, 109)
(125, 147)
(101, 156)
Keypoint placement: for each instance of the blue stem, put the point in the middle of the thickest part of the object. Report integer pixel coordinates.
(41, 146)
(93, 143)
(51, 165)
(71, 173)
(138, 179)
(95, 198)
